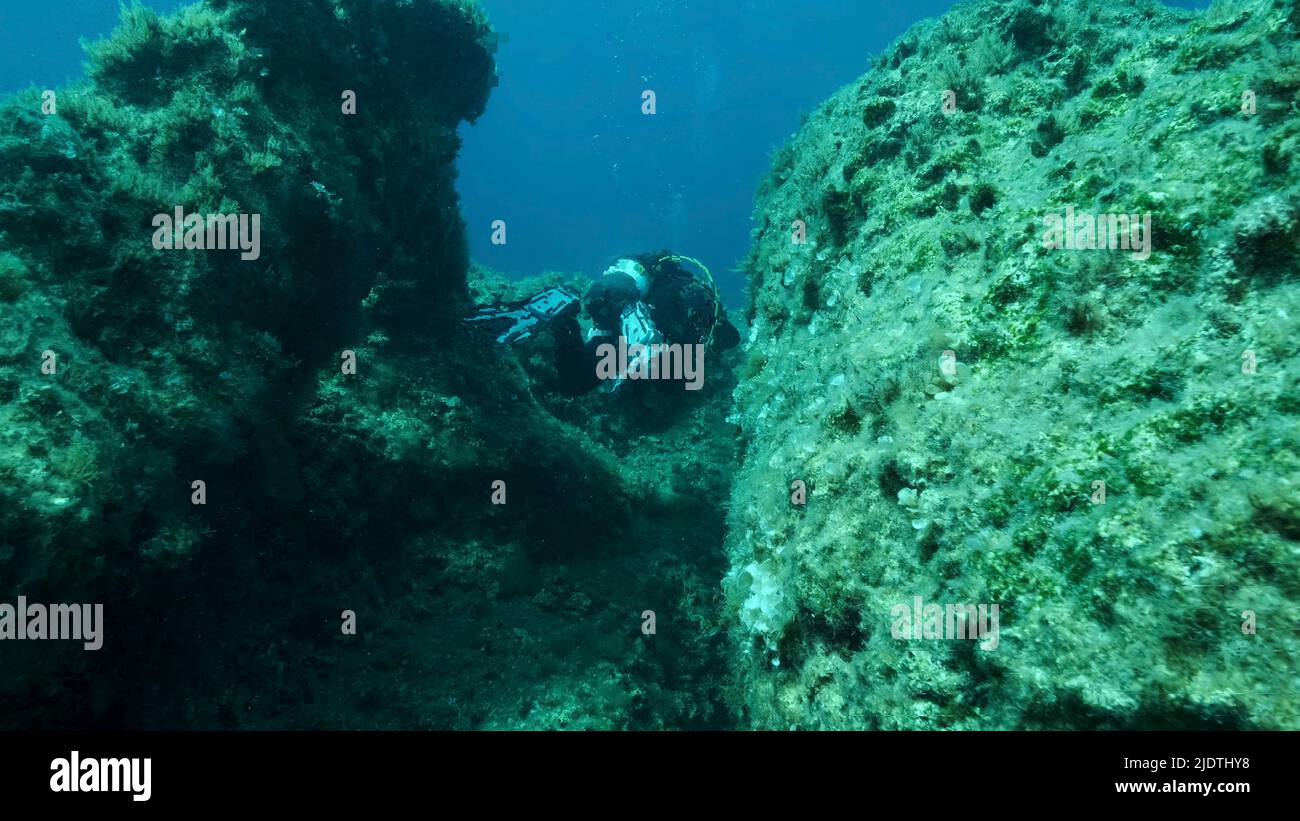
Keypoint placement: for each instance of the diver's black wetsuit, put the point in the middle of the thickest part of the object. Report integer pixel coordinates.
(649, 292)
(681, 307)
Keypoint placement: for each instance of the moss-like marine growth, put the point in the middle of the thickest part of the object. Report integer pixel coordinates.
(128, 373)
(1101, 444)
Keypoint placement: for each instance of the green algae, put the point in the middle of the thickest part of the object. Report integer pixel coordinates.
(326, 490)
(948, 392)
(977, 484)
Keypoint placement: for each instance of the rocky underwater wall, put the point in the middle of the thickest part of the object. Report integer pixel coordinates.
(275, 465)
(988, 404)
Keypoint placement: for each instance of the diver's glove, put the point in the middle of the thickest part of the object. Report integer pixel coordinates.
(513, 321)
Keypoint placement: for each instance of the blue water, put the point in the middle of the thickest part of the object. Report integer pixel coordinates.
(564, 154)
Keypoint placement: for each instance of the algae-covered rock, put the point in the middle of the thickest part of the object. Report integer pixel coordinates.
(983, 411)
(308, 495)
(277, 467)
(132, 369)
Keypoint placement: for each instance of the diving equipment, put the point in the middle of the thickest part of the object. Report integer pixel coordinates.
(516, 321)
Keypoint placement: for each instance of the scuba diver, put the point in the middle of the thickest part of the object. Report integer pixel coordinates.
(644, 307)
